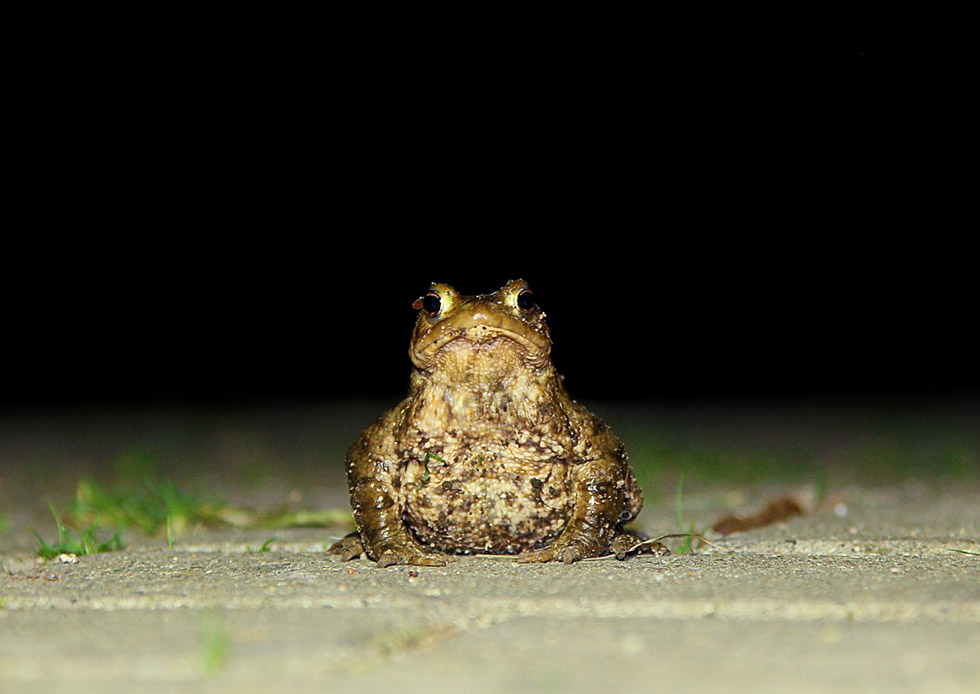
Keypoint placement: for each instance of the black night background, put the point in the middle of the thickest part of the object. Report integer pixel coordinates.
(700, 219)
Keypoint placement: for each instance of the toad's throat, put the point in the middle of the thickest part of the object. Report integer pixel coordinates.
(482, 407)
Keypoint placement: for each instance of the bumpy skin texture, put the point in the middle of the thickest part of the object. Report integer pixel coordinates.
(487, 454)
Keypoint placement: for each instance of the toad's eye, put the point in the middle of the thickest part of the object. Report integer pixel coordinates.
(525, 301)
(430, 303)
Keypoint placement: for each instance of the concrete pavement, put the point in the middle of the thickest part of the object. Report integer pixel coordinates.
(865, 593)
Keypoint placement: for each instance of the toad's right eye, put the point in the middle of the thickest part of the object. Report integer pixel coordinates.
(430, 303)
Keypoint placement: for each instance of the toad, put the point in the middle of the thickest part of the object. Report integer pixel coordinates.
(487, 454)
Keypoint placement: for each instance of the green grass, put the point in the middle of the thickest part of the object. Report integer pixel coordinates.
(158, 507)
(285, 518)
(722, 448)
(655, 457)
(76, 542)
(266, 546)
(171, 534)
(150, 505)
(215, 645)
(692, 538)
(4, 524)
(425, 476)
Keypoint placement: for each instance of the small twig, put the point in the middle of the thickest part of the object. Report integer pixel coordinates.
(670, 536)
(635, 547)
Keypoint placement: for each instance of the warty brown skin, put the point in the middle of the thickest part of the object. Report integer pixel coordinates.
(487, 454)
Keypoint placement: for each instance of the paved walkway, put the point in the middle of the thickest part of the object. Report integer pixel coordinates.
(864, 594)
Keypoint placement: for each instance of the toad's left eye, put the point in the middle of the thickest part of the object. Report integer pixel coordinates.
(431, 303)
(525, 301)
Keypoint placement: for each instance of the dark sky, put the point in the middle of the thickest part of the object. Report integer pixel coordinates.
(699, 220)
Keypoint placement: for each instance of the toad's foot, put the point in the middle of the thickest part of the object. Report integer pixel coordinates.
(567, 552)
(348, 547)
(412, 557)
(352, 547)
(567, 555)
(623, 546)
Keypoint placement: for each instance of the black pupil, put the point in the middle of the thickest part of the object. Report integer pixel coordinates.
(525, 300)
(431, 303)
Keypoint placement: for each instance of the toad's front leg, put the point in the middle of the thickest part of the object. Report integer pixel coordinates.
(599, 506)
(383, 534)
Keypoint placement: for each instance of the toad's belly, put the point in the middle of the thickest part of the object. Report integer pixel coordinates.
(493, 509)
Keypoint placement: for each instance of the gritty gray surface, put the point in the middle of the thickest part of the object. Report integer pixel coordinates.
(863, 593)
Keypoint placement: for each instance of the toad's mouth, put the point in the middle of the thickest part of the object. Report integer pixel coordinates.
(484, 337)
